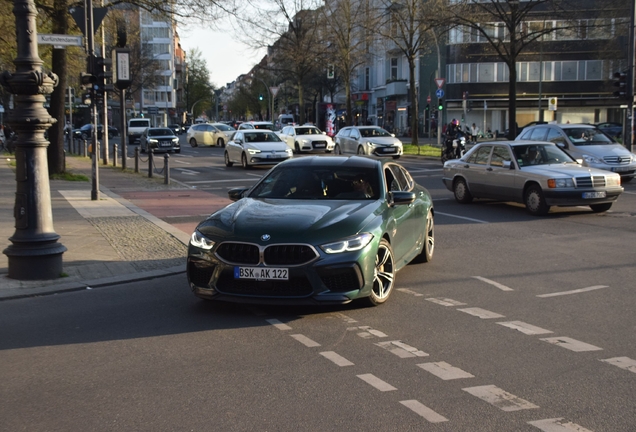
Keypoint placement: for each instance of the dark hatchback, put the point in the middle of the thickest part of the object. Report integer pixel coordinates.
(314, 230)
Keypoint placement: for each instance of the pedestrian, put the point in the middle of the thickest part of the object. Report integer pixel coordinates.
(474, 132)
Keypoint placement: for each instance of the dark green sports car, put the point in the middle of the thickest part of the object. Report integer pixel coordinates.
(314, 230)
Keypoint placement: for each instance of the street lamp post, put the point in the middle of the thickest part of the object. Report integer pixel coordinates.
(35, 253)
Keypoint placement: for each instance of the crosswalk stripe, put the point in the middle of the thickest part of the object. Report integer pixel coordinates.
(499, 398)
(376, 382)
(424, 411)
(524, 328)
(305, 340)
(557, 425)
(279, 325)
(445, 371)
(623, 363)
(572, 344)
(481, 313)
(336, 358)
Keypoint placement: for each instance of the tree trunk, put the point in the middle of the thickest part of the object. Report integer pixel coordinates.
(512, 101)
(301, 103)
(414, 104)
(55, 150)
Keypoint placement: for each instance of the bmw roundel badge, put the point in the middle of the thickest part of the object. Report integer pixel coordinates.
(266, 237)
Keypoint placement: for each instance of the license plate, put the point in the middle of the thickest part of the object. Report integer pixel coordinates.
(271, 156)
(165, 144)
(263, 273)
(620, 169)
(388, 150)
(588, 195)
(319, 145)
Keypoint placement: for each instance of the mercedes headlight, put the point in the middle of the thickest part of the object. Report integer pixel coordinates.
(561, 183)
(349, 244)
(613, 180)
(589, 159)
(199, 240)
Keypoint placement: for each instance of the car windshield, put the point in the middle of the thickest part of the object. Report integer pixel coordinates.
(138, 123)
(159, 132)
(540, 154)
(587, 136)
(261, 137)
(319, 183)
(374, 132)
(308, 131)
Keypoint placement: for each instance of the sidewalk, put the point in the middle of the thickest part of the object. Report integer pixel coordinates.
(138, 229)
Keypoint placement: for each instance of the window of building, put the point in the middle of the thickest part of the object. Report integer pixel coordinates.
(394, 68)
(367, 78)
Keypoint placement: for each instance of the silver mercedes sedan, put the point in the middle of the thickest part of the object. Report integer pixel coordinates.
(537, 174)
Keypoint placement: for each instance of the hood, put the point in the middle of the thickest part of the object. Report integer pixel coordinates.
(381, 140)
(603, 150)
(563, 170)
(268, 146)
(290, 221)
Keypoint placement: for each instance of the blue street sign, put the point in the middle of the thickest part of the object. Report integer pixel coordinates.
(439, 93)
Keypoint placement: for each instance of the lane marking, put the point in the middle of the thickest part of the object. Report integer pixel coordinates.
(345, 318)
(499, 398)
(525, 328)
(445, 301)
(576, 291)
(423, 411)
(445, 371)
(376, 382)
(557, 425)
(401, 349)
(408, 291)
(622, 362)
(481, 313)
(572, 344)
(279, 325)
(187, 171)
(368, 333)
(493, 283)
(305, 340)
(460, 217)
(336, 358)
(182, 162)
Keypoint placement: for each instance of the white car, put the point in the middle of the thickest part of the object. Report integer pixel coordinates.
(306, 138)
(209, 134)
(257, 125)
(368, 140)
(256, 147)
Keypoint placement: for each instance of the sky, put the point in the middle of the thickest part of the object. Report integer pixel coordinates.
(226, 57)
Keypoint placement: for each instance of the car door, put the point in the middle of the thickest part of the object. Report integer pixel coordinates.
(341, 138)
(403, 216)
(234, 148)
(352, 141)
(288, 135)
(475, 168)
(500, 179)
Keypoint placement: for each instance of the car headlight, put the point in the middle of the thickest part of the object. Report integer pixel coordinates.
(369, 143)
(589, 159)
(289, 151)
(153, 141)
(348, 245)
(175, 140)
(633, 157)
(561, 183)
(199, 240)
(253, 151)
(305, 141)
(613, 180)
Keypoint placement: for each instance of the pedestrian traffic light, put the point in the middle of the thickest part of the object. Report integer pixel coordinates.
(260, 96)
(428, 107)
(440, 105)
(620, 81)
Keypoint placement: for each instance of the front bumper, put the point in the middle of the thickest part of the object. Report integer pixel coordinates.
(625, 170)
(575, 197)
(387, 151)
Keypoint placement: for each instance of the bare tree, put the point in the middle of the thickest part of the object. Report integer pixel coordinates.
(407, 25)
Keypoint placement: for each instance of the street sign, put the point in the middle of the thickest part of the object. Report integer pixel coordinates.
(428, 99)
(440, 82)
(60, 39)
(274, 90)
(439, 93)
(552, 104)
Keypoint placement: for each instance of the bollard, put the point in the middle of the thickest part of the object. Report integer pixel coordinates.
(84, 148)
(114, 155)
(136, 159)
(151, 154)
(166, 169)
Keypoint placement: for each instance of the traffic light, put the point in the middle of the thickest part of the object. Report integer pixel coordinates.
(101, 69)
(260, 96)
(428, 107)
(440, 105)
(331, 71)
(87, 80)
(620, 81)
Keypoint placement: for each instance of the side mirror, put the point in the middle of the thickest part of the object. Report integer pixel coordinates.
(401, 198)
(561, 144)
(508, 165)
(237, 193)
(238, 141)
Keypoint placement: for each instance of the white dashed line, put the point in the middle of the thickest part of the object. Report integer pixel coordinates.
(460, 217)
(524, 328)
(305, 340)
(187, 171)
(368, 333)
(493, 283)
(576, 291)
(376, 382)
(401, 349)
(336, 358)
(445, 371)
(499, 398)
(445, 301)
(481, 313)
(623, 363)
(423, 411)
(572, 344)
(557, 425)
(182, 162)
(279, 325)
(408, 291)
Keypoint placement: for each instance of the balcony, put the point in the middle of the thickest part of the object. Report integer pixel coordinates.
(396, 88)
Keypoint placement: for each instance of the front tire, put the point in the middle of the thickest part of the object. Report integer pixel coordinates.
(361, 151)
(462, 194)
(535, 201)
(193, 142)
(228, 162)
(600, 208)
(220, 142)
(429, 241)
(296, 148)
(336, 150)
(383, 275)
(244, 162)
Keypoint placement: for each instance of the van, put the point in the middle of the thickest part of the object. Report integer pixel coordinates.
(284, 120)
(136, 127)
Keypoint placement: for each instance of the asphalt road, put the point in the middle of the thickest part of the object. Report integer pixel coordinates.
(518, 324)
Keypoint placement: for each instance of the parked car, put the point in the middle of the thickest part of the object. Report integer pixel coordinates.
(159, 139)
(256, 147)
(367, 140)
(85, 132)
(615, 130)
(535, 173)
(314, 230)
(256, 125)
(209, 134)
(306, 138)
(587, 144)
